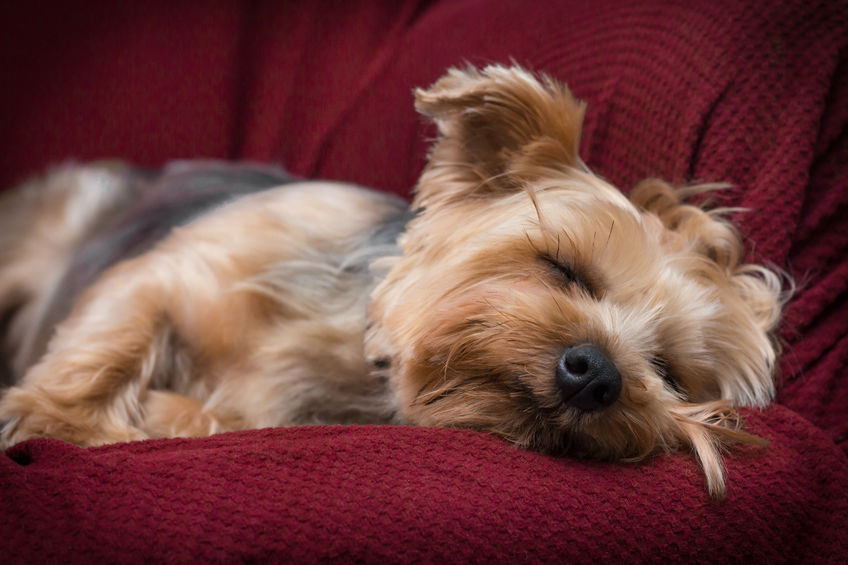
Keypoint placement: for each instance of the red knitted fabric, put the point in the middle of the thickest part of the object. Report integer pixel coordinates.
(755, 93)
(388, 495)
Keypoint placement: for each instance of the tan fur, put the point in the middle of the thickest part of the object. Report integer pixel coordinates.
(41, 224)
(200, 315)
(215, 329)
(504, 195)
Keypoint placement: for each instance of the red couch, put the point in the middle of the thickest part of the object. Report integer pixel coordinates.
(755, 93)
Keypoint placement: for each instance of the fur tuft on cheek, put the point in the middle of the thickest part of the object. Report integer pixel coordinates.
(709, 430)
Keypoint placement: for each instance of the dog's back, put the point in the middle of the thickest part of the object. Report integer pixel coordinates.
(41, 224)
(58, 233)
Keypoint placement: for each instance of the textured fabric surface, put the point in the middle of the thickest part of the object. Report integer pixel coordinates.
(748, 92)
(388, 495)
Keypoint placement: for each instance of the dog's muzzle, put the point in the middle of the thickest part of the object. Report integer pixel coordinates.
(587, 378)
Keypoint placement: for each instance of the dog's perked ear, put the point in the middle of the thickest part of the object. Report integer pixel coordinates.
(498, 128)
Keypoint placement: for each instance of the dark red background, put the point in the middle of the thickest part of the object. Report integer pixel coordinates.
(755, 93)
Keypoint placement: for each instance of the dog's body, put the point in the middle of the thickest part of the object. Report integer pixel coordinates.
(252, 315)
(525, 297)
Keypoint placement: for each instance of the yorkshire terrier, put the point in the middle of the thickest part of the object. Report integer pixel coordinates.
(519, 294)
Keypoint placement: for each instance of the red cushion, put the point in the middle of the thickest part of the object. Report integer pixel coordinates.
(399, 495)
(749, 92)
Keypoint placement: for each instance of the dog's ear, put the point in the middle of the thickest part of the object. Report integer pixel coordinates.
(707, 233)
(498, 128)
(710, 236)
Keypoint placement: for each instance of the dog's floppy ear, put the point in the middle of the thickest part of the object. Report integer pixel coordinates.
(497, 128)
(707, 233)
(715, 239)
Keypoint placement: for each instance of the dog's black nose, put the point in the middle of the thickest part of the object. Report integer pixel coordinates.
(587, 378)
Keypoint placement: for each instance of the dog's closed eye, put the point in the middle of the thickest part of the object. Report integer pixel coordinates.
(663, 369)
(568, 275)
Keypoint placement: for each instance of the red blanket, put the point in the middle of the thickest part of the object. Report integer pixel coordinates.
(755, 93)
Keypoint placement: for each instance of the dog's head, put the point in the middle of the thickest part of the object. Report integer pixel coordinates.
(536, 301)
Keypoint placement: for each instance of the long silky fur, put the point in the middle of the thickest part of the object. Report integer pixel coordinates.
(299, 305)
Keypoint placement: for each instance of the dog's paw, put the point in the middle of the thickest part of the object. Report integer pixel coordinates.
(27, 414)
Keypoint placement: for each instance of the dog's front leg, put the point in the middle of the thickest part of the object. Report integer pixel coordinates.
(89, 387)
